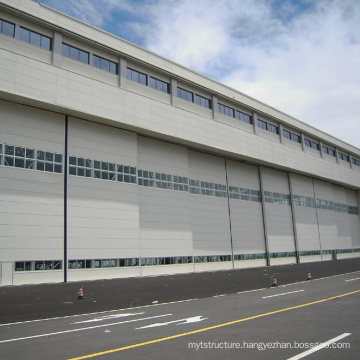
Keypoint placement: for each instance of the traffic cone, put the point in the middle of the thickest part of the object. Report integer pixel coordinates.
(308, 276)
(274, 281)
(80, 293)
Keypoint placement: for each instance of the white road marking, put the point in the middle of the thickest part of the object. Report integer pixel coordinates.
(179, 322)
(292, 292)
(249, 291)
(108, 317)
(352, 279)
(319, 347)
(81, 329)
(95, 313)
(216, 296)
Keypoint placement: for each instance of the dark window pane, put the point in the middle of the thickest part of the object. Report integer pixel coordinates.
(19, 162)
(20, 151)
(65, 50)
(113, 68)
(40, 155)
(35, 39)
(49, 167)
(84, 57)
(46, 43)
(96, 61)
(40, 165)
(8, 28)
(58, 158)
(24, 35)
(49, 156)
(9, 150)
(74, 53)
(105, 64)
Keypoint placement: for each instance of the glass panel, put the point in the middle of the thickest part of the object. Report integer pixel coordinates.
(58, 168)
(49, 167)
(8, 28)
(113, 68)
(35, 39)
(58, 158)
(29, 164)
(8, 161)
(24, 35)
(19, 162)
(40, 165)
(84, 57)
(40, 155)
(30, 153)
(72, 160)
(74, 53)
(65, 50)
(20, 151)
(9, 150)
(96, 61)
(105, 64)
(45, 42)
(49, 156)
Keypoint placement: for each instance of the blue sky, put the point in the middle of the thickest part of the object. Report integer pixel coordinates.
(299, 56)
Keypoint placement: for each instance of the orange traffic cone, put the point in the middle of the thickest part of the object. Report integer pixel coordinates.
(308, 276)
(80, 293)
(274, 281)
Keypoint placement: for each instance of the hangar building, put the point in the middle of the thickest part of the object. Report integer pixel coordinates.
(117, 162)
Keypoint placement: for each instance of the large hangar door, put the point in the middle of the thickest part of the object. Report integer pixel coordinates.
(278, 216)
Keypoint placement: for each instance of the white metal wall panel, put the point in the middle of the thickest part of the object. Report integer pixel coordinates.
(209, 214)
(103, 215)
(354, 219)
(165, 220)
(305, 216)
(247, 223)
(326, 218)
(31, 225)
(279, 225)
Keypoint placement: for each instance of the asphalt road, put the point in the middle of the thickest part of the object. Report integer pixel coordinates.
(30, 302)
(285, 322)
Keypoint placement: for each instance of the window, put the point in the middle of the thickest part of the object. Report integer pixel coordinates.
(162, 181)
(38, 265)
(287, 134)
(7, 28)
(159, 85)
(296, 138)
(325, 150)
(332, 152)
(34, 38)
(104, 170)
(184, 94)
(274, 129)
(105, 64)
(307, 143)
(243, 117)
(262, 124)
(356, 162)
(315, 145)
(343, 157)
(136, 76)
(21, 157)
(223, 109)
(75, 53)
(199, 100)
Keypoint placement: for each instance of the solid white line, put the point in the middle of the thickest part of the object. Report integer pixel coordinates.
(319, 347)
(95, 313)
(292, 292)
(353, 279)
(81, 329)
